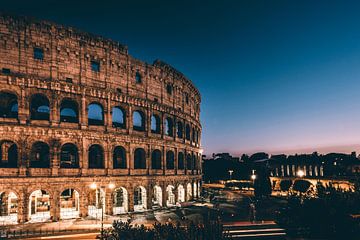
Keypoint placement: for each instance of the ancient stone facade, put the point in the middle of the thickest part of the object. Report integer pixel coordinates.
(84, 126)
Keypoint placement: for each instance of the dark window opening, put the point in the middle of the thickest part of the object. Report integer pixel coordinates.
(155, 124)
(156, 159)
(8, 155)
(8, 105)
(96, 156)
(39, 156)
(118, 117)
(119, 158)
(187, 98)
(68, 80)
(38, 53)
(69, 111)
(39, 108)
(118, 90)
(138, 121)
(95, 114)
(138, 77)
(170, 160)
(169, 89)
(95, 66)
(169, 127)
(69, 156)
(6, 70)
(139, 159)
(180, 130)
(180, 161)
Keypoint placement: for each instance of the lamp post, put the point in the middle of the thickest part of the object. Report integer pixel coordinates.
(230, 173)
(253, 178)
(300, 173)
(102, 202)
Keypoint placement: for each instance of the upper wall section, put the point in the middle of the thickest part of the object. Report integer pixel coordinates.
(44, 50)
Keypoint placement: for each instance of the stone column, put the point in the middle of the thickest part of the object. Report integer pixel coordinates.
(83, 114)
(108, 202)
(55, 157)
(164, 194)
(23, 108)
(54, 111)
(55, 206)
(163, 159)
(23, 207)
(83, 204)
(131, 198)
(107, 116)
(129, 122)
(149, 196)
(129, 158)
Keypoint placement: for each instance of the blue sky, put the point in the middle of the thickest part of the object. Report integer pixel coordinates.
(274, 75)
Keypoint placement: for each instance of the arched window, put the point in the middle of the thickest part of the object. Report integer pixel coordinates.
(169, 127)
(139, 198)
(193, 135)
(69, 204)
(8, 154)
(69, 157)
(118, 117)
(8, 105)
(180, 130)
(39, 156)
(138, 121)
(95, 114)
(181, 161)
(170, 160)
(119, 157)
(39, 107)
(96, 156)
(138, 78)
(139, 159)
(188, 162)
(187, 132)
(155, 124)
(69, 111)
(193, 163)
(156, 159)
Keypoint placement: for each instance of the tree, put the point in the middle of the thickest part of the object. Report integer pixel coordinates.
(262, 184)
(301, 185)
(285, 185)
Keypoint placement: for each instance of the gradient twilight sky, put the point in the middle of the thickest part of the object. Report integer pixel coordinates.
(276, 76)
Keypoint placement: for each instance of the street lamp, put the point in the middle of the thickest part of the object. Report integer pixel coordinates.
(94, 187)
(300, 173)
(230, 173)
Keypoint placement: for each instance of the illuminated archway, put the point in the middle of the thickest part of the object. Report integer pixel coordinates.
(170, 201)
(120, 201)
(39, 206)
(8, 208)
(69, 204)
(140, 199)
(157, 197)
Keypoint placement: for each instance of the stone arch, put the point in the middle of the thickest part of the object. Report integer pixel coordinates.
(138, 120)
(96, 201)
(8, 207)
(157, 196)
(170, 201)
(39, 206)
(39, 107)
(155, 123)
(181, 164)
(8, 154)
(8, 105)
(188, 161)
(169, 127)
(119, 157)
(118, 117)
(96, 156)
(120, 201)
(40, 155)
(170, 161)
(139, 158)
(69, 111)
(69, 156)
(181, 193)
(95, 114)
(179, 129)
(140, 199)
(69, 204)
(156, 159)
(187, 132)
(188, 192)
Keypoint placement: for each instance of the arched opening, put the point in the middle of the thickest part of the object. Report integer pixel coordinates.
(96, 156)
(188, 192)
(138, 121)
(195, 190)
(181, 161)
(95, 114)
(138, 78)
(199, 189)
(8, 105)
(139, 199)
(8, 208)
(170, 196)
(39, 156)
(170, 160)
(69, 111)
(181, 193)
(180, 130)
(69, 204)
(96, 202)
(69, 157)
(119, 158)
(39, 107)
(157, 197)
(156, 159)
(188, 162)
(187, 132)
(8, 154)
(39, 206)
(139, 159)
(120, 201)
(193, 163)
(118, 117)
(155, 124)
(169, 127)
(193, 135)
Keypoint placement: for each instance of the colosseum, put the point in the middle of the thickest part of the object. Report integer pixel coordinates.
(86, 128)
